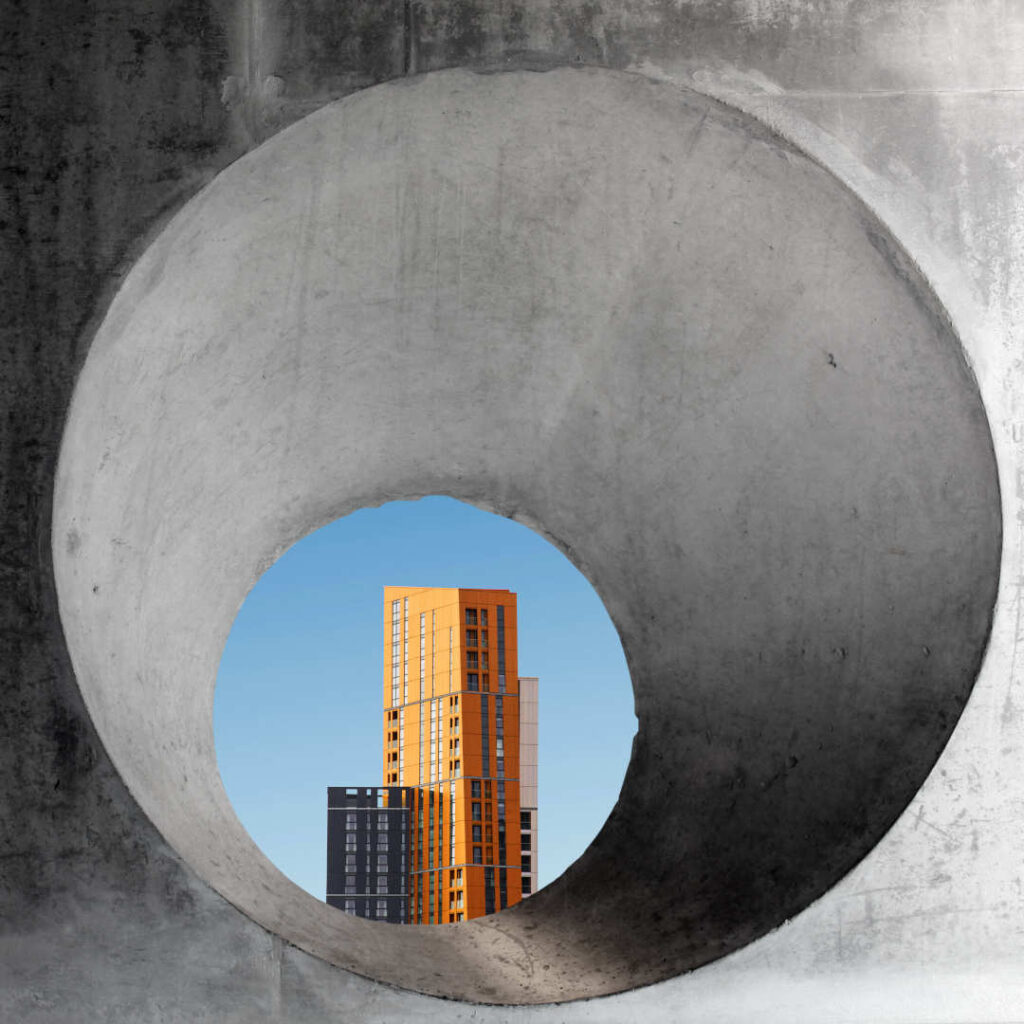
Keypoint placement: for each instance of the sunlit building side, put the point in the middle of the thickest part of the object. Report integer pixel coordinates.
(459, 767)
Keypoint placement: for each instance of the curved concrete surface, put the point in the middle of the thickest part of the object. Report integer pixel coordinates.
(627, 316)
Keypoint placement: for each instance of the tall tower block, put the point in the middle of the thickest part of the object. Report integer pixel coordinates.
(451, 731)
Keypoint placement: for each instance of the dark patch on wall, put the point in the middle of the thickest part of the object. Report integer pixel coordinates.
(583, 26)
(513, 34)
(453, 33)
(330, 49)
(115, 118)
(73, 754)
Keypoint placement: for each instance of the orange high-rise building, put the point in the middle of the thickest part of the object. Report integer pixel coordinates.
(451, 733)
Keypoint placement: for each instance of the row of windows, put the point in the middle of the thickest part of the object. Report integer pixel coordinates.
(481, 681)
(351, 819)
(382, 862)
(476, 637)
(380, 908)
(381, 888)
(383, 841)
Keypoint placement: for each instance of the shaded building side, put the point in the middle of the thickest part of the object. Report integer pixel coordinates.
(367, 851)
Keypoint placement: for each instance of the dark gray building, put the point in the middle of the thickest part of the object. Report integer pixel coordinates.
(367, 839)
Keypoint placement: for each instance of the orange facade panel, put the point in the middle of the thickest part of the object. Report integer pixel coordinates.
(451, 729)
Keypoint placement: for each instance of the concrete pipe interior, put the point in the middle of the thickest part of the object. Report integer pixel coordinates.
(635, 320)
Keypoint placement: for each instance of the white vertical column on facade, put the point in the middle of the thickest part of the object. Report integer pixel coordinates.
(395, 652)
(529, 729)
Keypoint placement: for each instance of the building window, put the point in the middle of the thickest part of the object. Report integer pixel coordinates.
(527, 863)
(350, 906)
(471, 616)
(350, 862)
(472, 661)
(527, 887)
(477, 837)
(478, 855)
(382, 883)
(382, 842)
(525, 841)
(472, 681)
(471, 638)
(483, 637)
(524, 821)
(350, 840)
(476, 807)
(382, 908)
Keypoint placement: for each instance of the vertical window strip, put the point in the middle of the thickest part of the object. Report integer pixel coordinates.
(440, 833)
(501, 649)
(485, 749)
(423, 653)
(405, 651)
(499, 753)
(433, 741)
(395, 652)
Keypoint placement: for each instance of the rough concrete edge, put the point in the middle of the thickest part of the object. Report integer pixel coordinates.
(900, 242)
(911, 252)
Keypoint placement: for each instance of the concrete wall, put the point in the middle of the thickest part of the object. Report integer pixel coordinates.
(121, 114)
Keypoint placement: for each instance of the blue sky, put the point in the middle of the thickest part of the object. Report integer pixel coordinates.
(298, 700)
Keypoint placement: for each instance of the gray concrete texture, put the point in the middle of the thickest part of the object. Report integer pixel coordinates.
(749, 421)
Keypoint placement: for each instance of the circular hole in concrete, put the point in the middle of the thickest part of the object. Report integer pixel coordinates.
(643, 325)
(298, 704)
